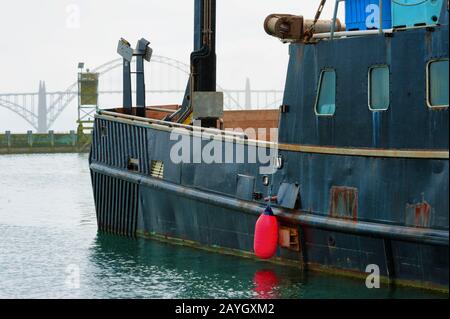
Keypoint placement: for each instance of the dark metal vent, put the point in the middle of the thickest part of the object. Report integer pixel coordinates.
(133, 165)
(116, 205)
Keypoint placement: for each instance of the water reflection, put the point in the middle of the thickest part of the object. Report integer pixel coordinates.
(158, 270)
(266, 284)
(149, 269)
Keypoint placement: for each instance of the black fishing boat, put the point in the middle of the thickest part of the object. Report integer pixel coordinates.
(358, 177)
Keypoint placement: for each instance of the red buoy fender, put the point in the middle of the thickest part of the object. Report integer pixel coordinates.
(266, 235)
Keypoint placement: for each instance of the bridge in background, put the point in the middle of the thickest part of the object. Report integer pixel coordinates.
(167, 78)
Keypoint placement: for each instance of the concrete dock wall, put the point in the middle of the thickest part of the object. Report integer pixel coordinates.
(51, 142)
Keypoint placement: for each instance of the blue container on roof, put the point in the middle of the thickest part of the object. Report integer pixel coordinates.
(410, 13)
(365, 14)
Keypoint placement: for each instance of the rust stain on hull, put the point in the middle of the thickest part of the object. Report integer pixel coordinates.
(419, 215)
(344, 202)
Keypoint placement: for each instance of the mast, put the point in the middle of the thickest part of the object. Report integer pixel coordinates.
(202, 60)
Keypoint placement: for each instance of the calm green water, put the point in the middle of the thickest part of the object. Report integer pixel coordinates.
(50, 248)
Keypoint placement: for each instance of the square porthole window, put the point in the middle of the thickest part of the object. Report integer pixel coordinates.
(326, 95)
(379, 88)
(437, 83)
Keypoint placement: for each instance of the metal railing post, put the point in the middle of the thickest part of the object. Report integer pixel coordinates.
(333, 23)
(8, 138)
(73, 137)
(30, 138)
(51, 135)
(380, 17)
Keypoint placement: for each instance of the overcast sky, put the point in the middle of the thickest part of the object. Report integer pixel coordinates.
(45, 39)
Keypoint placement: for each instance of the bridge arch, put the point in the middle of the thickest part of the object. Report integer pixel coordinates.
(60, 104)
(59, 101)
(27, 115)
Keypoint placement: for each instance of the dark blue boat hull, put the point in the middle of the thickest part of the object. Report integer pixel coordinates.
(197, 204)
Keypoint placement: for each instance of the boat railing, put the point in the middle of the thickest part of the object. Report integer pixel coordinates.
(174, 125)
(355, 33)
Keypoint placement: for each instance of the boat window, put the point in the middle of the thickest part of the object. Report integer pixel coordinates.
(326, 95)
(379, 88)
(437, 83)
